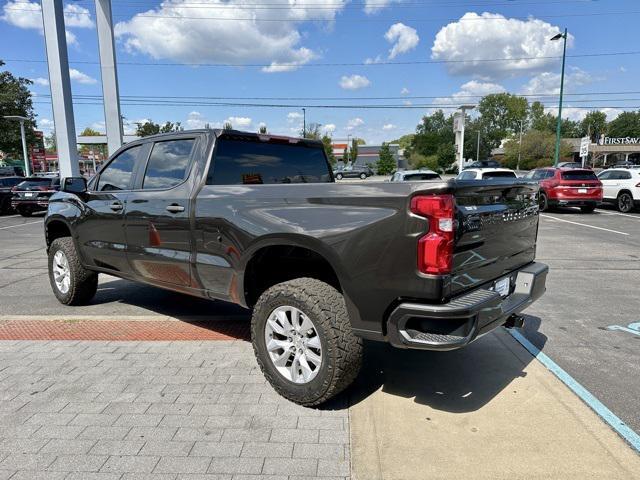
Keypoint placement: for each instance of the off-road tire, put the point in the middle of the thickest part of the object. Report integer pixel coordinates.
(84, 283)
(624, 202)
(341, 349)
(588, 209)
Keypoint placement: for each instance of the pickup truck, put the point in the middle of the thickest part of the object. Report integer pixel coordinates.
(258, 220)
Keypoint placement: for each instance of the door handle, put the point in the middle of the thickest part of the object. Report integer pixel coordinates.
(116, 206)
(175, 208)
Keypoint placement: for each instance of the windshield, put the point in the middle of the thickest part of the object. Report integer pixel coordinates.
(35, 182)
(499, 175)
(579, 175)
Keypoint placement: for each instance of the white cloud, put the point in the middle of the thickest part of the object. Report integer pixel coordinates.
(623, 69)
(388, 126)
(403, 37)
(548, 83)
(78, 76)
(294, 116)
(374, 6)
(239, 32)
(329, 128)
(404, 91)
(371, 61)
(475, 37)
(43, 82)
(354, 82)
(578, 113)
(355, 123)
(45, 125)
(196, 120)
(28, 15)
(470, 92)
(239, 122)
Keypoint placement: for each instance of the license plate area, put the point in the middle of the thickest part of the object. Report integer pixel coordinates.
(582, 190)
(502, 286)
(28, 194)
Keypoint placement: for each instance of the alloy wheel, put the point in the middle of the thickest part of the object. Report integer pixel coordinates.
(61, 272)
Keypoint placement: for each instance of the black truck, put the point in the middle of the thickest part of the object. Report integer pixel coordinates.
(258, 220)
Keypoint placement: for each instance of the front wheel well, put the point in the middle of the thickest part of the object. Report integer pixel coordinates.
(56, 229)
(280, 263)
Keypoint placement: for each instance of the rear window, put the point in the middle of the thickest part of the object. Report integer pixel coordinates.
(35, 182)
(248, 161)
(579, 175)
(498, 175)
(10, 182)
(416, 177)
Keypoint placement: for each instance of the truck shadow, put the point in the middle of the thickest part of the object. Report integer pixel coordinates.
(457, 381)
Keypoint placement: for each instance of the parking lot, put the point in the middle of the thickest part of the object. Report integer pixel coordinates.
(82, 393)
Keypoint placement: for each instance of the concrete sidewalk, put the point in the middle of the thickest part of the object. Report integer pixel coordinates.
(489, 411)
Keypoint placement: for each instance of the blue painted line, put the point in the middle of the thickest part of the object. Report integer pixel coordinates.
(596, 405)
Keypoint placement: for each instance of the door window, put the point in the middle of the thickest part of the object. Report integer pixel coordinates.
(169, 163)
(118, 174)
(605, 175)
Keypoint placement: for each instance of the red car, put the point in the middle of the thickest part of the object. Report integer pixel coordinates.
(567, 187)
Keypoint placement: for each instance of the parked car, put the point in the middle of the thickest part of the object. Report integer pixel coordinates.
(483, 164)
(10, 171)
(570, 165)
(567, 187)
(259, 221)
(485, 173)
(353, 172)
(627, 164)
(6, 184)
(33, 193)
(621, 187)
(415, 176)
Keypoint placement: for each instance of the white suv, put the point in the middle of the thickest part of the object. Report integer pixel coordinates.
(484, 173)
(621, 187)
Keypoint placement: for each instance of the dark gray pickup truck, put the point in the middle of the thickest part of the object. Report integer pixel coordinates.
(259, 221)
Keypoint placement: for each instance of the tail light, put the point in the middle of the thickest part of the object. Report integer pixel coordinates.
(14, 189)
(435, 249)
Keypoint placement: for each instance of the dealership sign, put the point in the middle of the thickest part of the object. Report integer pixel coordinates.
(619, 140)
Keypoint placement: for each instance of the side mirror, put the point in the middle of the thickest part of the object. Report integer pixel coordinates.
(74, 185)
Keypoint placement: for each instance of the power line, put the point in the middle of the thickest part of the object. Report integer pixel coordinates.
(343, 64)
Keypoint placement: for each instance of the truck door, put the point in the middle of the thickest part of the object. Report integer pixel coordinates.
(101, 228)
(157, 217)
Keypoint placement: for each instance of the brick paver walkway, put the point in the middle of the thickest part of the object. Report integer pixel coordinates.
(196, 410)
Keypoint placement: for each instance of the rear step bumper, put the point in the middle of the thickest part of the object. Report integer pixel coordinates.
(457, 323)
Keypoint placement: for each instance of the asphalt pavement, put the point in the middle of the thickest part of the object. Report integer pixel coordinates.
(595, 267)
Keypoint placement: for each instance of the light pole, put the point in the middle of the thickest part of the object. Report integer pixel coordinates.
(559, 125)
(463, 109)
(519, 146)
(22, 119)
(478, 147)
(347, 148)
(304, 122)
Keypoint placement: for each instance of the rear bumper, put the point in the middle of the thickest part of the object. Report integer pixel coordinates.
(36, 203)
(582, 202)
(455, 324)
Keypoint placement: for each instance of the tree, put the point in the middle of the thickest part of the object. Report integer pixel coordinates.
(227, 126)
(538, 150)
(446, 156)
(627, 124)
(418, 161)
(15, 99)
(404, 141)
(90, 132)
(386, 163)
(169, 127)
(50, 142)
(501, 114)
(85, 149)
(147, 128)
(328, 149)
(345, 155)
(594, 124)
(353, 151)
(262, 130)
(312, 132)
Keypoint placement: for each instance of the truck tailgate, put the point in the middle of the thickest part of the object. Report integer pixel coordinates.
(496, 231)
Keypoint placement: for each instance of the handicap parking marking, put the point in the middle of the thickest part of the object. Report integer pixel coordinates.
(20, 225)
(587, 397)
(584, 225)
(633, 328)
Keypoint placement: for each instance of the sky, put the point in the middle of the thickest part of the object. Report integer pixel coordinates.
(210, 61)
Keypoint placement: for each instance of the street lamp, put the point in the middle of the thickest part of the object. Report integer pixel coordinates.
(559, 125)
(304, 123)
(22, 119)
(463, 109)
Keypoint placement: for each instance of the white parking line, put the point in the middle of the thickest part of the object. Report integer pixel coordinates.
(584, 225)
(635, 217)
(10, 216)
(21, 225)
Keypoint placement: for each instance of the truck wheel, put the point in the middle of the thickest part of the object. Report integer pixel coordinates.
(25, 211)
(625, 202)
(303, 341)
(72, 284)
(543, 202)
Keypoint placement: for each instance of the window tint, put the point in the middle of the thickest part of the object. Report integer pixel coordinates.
(624, 175)
(579, 175)
(168, 163)
(251, 161)
(35, 182)
(606, 175)
(498, 175)
(117, 175)
(467, 176)
(413, 177)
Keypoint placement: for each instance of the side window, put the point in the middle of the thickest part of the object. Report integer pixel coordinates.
(625, 176)
(117, 175)
(605, 175)
(168, 163)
